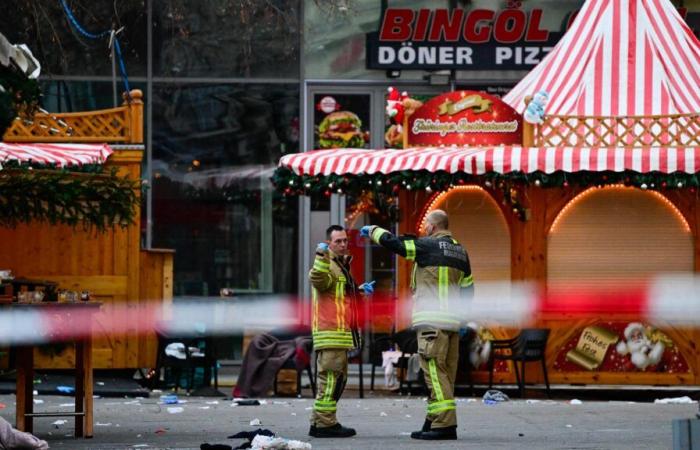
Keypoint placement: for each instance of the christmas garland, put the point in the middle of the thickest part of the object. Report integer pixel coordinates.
(19, 96)
(86, 195)
(290, 184)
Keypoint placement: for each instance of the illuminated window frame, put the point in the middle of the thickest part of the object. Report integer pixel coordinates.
(440, 196)
(622, 187)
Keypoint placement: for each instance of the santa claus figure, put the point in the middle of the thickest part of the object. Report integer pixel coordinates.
(394, 107)
(643, 351)
(480, 345)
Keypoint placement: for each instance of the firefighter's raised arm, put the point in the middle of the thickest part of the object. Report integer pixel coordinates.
(405, 247)
(319, 275)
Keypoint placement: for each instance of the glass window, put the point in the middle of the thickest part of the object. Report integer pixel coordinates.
(342, 120)
(62, 50)
(226, 38)
(71, 96)
(214, 149)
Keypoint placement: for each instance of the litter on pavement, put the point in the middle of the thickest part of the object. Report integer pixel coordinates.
(675, 400)
(249, 436)
(493, 396)
(261, 442)
(169, 399)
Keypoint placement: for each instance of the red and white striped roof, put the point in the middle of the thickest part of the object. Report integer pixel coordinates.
(619, 58)
(59, 154)
(476, 161)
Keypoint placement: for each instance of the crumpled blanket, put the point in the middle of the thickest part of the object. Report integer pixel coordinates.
(264, 358)
(11, 439)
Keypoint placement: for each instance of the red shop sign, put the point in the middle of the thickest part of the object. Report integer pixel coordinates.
(464, 118)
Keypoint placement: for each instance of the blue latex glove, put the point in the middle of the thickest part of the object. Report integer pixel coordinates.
(364, 231)
(368, 288)
(322, 247)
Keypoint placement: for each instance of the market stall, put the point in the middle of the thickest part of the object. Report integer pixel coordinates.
(85, 234)
(598, 187)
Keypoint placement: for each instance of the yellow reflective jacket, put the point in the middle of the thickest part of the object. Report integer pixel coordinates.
(441, 277)
(333, 302)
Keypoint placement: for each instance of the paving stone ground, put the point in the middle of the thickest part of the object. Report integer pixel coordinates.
(382, 423)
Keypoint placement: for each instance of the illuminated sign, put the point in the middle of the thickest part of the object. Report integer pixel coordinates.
(465, 118)
(477, 39)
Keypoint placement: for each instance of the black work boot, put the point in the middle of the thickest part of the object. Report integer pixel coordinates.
(334, 431)
(436, 434)
(426, 427)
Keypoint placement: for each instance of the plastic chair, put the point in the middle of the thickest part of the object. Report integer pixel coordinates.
(408, 344)
(191, 362)
(529, 345)
(464, 364)
(377, 345)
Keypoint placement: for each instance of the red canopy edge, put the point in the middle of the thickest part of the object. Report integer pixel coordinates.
(503, 159)
(58, 154)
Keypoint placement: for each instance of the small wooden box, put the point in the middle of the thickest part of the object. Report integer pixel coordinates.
(287, 382)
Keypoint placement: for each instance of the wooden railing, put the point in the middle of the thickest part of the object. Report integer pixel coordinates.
(626, 131)
(116, 125)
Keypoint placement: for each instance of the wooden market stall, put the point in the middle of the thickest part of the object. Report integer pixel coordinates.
(108, 263)
(603, 192)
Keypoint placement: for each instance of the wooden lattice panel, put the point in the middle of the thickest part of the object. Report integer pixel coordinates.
(98, 126)
(121, 124)
(630, 131)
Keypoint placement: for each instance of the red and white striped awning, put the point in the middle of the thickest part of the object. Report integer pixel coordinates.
(476, 161)
(58, 154)
(619, 58)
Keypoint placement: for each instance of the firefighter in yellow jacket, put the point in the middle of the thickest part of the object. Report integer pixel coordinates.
(441, 279)
(334, 328)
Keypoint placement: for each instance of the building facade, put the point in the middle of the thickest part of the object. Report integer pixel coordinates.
(230, 86)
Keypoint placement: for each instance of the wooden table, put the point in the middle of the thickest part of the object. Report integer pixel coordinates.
(83, 372)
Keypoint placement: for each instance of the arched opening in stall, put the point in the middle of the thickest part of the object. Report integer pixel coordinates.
(613, 239)
(612, 236)
(478, 224)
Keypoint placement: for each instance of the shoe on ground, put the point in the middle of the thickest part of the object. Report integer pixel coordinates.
(436, 434)
(426, 427)
(335, 431)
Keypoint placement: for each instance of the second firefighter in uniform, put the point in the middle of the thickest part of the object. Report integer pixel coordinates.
(441, 278)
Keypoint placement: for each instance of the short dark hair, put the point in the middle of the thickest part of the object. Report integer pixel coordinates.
(331, 229)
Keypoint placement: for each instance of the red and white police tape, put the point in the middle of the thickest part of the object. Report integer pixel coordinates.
(671, 299)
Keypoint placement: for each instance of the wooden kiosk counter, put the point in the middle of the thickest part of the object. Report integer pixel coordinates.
(597, 189)
(108, 263)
